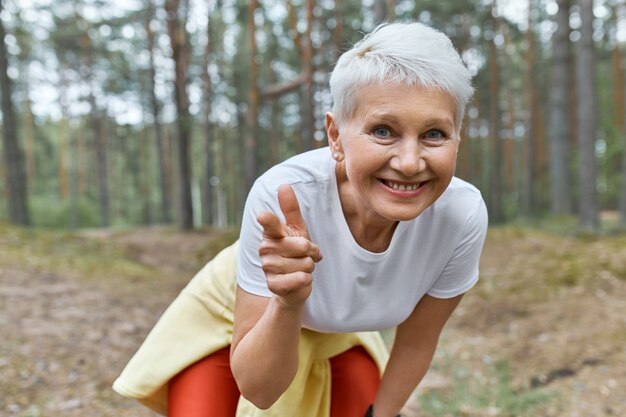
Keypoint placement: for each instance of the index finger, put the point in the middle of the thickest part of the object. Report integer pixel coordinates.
(272, 227)
(291, 209)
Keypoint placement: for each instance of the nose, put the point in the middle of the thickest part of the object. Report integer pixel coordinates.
(408, 158)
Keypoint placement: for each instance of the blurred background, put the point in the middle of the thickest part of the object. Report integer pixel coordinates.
(120, 113)
(133, 129)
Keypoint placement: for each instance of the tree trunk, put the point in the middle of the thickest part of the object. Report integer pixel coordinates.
(98, 138)
(572, 120)
(338, 32)
(528, 189)
(207, 187)
(101, 164)
(74, 211)
(588, 205)
(622, 198)
(180, 54)
(82, 159)
(158, 131)
(618, 80)
(615, 165)
(495, 151)
(474, 147)
(144, 183)
(509, 141)
(300, 138)
(380, 11)
(29, 142)
(391, 10)
(276, 132)
(622, 127)
(64, 132)
(560, 187)
(63, 135)
(13, 158)
(252, 114)
(308, 109)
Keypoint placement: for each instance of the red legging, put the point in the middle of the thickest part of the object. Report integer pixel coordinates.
(207, 387)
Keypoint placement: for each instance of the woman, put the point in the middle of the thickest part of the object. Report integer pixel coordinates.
(370, 233)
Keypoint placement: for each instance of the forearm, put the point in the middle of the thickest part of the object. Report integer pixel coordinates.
(413, 350)
(265, 360)
(403, 374)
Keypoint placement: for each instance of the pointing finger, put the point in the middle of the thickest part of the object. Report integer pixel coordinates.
(291, 209)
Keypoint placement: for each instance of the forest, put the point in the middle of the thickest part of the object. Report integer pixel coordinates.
(132, 131)
(164, 112)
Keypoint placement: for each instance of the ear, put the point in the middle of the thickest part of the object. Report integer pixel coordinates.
(332, 132)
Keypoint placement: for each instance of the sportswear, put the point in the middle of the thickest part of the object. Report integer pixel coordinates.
(437, 253)
(353, 289)
(200, 322)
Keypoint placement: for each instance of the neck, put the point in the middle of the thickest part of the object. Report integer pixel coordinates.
(371, 231)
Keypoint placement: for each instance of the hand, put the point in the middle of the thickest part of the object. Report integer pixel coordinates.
(287, 254)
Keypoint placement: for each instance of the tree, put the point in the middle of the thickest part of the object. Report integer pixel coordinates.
(252, 113)
(495, 186)
(155, 108)
(588, 204)
(179, 42)
(99, 138)
(339, 41)
(22, 32)
(13, 158)
(207, 127)
(380, 11)
(560, 187)
(308, 108)
(532, 130)
(622, 197)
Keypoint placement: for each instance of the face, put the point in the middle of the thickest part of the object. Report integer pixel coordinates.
(399, 151)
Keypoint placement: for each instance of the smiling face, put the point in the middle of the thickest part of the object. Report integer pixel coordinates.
(397, 152)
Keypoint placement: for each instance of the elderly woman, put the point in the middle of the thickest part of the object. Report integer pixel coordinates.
(371, 233)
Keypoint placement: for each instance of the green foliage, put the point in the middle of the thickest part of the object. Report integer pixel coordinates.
(96, 58)
(48, 212)
(492, 394)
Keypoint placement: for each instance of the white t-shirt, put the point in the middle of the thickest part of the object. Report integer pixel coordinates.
(354, 289)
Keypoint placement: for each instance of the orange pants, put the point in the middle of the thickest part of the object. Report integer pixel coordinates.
(207, 387)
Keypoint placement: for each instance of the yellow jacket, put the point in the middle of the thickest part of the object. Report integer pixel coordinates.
(200, 321)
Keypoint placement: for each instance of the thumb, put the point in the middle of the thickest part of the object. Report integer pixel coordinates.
(291, 210)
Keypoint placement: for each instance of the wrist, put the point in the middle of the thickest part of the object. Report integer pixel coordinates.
(370, 412)
(284, 305)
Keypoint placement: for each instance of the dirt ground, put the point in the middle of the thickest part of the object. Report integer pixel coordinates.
(549, 309)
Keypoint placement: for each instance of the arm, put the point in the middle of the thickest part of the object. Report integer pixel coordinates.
(412, 352)
(264, 351)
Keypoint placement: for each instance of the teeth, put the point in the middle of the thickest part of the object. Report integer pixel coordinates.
(403, 187)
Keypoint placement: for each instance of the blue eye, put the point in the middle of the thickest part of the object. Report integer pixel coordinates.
(382, 132)
(435, 135)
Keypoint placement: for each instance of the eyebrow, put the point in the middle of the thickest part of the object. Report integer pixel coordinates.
(428, 122)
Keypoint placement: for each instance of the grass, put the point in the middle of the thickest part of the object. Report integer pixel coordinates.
(219, 241)
(541, 264)
(55, 251)
(492, 394)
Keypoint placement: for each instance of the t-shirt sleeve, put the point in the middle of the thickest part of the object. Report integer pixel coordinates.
(461, 272)
(250, 276)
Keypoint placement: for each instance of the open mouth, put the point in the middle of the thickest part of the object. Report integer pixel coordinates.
(403, 186)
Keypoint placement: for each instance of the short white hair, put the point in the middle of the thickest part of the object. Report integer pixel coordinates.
(405, 52)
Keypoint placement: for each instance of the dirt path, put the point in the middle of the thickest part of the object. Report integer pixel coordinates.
(547, 323)
(66, 336)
